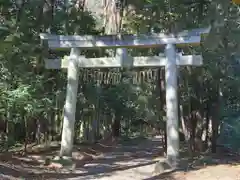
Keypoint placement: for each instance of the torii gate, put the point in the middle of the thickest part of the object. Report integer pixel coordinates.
(171, 61)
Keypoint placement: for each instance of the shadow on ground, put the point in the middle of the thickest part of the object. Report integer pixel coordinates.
(134, 159)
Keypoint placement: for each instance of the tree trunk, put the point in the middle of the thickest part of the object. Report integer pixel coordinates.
(207, 127)
(216, 117)
(161, 102)
(184, 126)
(26, 134)
(116, 126)
(38, 131)
(214, 132)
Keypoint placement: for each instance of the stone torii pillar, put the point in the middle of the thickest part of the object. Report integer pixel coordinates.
(172, 105)
(70, 103)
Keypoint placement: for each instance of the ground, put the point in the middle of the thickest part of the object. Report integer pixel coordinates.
(131, 160)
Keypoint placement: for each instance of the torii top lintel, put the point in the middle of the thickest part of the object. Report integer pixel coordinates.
(192, 37)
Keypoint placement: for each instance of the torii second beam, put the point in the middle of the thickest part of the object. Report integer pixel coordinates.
(141, 61)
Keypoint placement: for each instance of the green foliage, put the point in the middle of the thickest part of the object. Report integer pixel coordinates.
(28, 91)
(230, 135)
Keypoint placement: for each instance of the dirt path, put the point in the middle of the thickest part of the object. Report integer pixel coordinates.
(123, 162)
